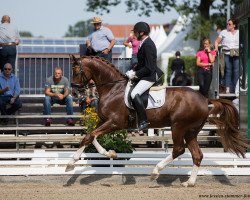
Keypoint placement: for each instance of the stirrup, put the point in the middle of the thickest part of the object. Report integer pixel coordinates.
(143, 126)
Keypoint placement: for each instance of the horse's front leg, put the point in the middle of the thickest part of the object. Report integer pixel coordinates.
(91, 138)
(86, 140)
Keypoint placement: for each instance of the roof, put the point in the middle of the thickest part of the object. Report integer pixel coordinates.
(123, 31)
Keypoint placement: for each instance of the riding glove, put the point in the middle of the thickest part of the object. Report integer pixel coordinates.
(131, 74)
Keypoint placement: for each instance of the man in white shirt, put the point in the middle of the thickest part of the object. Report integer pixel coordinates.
(9, 39)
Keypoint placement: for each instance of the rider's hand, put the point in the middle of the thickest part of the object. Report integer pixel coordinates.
(131, 74)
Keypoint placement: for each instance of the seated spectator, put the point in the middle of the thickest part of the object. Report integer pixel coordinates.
(90, 97)
(57, 91)
(9, 93)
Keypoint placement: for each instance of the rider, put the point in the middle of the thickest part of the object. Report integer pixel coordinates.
(146, 72)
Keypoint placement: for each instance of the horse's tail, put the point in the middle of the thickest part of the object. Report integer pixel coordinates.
(228, 126)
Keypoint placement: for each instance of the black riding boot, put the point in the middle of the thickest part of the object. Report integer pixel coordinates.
(140, 110)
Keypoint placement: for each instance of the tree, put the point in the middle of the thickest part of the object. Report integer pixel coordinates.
(25, 34)
(80, 29)
(206, 14)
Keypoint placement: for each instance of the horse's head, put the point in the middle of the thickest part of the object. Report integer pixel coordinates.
(79, 77)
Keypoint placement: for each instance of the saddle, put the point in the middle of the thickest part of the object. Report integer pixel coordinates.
(152, 98)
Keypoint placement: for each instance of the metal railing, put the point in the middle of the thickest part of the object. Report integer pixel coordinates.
(33, 71)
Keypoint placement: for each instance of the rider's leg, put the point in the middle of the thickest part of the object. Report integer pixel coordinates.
(139, 89)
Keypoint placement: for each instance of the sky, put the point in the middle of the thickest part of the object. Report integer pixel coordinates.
(51, 18)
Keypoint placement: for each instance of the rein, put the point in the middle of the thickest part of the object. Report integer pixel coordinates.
(113, 82)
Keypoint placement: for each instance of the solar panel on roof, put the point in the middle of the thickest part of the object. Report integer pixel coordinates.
(26, 49)
(37, 49)
(59, 41)
(49, 50)
(52, 48)
(70, 42)
(48, 41)
(37, 41)
(27, 41)
(60, 50)
(72, 50)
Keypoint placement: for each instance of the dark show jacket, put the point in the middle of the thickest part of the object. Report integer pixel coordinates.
(146, 68)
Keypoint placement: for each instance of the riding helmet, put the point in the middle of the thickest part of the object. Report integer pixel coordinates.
(141, 27)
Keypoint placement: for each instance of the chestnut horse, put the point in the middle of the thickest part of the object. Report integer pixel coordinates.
(185, 110)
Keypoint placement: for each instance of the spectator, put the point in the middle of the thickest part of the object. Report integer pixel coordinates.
(177, 67)
(90, 97)
(146, 72)
(204, 60)
(133, 43)
(9, 38)
(57, 91)
(229, 39)
(9, 92)
(101, 41)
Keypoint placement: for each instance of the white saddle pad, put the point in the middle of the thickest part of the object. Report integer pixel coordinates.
(156, 98)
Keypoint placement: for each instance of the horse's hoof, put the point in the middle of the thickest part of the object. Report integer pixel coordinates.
(187, 184)
(69, 168)
(112, 154)
(154, 176)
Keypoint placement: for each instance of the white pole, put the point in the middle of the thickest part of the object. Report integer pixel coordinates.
(228, 10)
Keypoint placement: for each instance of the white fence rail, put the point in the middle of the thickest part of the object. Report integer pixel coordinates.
(41, 162)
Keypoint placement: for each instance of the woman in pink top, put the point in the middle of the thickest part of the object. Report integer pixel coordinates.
(204, 60)
(133, 43)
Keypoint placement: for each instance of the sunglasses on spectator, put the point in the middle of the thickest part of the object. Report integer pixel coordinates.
(7, 69)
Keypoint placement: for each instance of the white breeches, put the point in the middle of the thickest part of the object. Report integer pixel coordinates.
(141, 87)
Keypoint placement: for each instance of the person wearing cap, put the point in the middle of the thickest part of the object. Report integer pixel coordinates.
(146, 72)
(177, 67)
(101, 41)
(9, 38)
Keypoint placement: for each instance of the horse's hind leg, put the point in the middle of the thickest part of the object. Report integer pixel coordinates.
(197, 156)
(178, 149)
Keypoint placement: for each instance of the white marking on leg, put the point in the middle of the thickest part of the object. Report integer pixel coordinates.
(74, 159)
(99, 148)
(162, 164)
(192, 179)
(78, 153)
(194, 173)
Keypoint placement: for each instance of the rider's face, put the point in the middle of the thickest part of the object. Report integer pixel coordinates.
(139, 36)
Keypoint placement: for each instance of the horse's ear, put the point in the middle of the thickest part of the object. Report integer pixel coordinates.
(72, 58)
